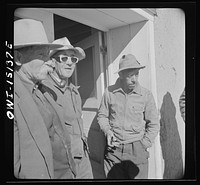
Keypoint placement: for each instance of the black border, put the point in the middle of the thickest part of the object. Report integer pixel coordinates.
(190, 16)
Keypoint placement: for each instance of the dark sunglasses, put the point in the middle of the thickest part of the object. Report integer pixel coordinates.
(64, 59)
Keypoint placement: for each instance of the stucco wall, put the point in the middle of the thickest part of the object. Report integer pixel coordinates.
(169, 36)
(129, 39)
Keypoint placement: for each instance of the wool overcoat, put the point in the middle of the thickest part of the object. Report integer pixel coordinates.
(32, 148)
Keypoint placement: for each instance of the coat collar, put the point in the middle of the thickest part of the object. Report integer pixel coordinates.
(70, 86)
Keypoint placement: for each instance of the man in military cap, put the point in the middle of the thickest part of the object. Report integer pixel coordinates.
(129, 119)
(42, 146)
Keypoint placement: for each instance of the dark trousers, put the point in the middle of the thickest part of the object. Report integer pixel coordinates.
(128, 161)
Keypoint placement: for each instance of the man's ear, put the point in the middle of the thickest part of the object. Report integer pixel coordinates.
(18, 58)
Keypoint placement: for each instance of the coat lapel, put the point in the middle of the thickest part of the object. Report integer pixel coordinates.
(57, 108)
(34, 122)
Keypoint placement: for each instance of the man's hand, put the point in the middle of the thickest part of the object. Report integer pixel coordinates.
(111, 139)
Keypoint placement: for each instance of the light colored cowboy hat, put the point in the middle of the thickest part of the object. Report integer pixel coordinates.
(29, 32)
(79, 52)
(129, 62)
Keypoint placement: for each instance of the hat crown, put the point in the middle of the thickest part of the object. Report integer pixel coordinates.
(79, 52)
(129, 61)
(29, 31)
(63, 41)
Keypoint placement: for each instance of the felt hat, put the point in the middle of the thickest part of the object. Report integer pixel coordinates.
(79, 52)
(129, 61)
(29, 32)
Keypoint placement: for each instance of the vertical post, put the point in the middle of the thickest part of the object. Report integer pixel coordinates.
(102, 80)
(157, 146)
(109, 58)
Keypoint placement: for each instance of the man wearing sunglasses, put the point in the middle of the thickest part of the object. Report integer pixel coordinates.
(66, 95)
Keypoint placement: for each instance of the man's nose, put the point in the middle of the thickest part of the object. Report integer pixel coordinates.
(133, 79)
(69, 61)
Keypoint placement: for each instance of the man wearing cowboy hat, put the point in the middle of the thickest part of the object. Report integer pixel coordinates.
(129, 119)
(40, 140)
(69, 101)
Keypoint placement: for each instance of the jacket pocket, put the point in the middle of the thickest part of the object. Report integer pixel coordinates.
(137, 110)
(77, 146)
(145, 149)
(141, 154)
(69, 127)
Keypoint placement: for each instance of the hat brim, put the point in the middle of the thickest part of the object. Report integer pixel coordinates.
(137, 67)
(51, 46)
(78, 51)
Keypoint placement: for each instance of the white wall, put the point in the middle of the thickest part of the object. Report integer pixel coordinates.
(170, 59)
(129, 39)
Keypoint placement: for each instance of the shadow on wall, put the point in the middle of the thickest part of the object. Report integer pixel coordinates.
(96, 144)
(170, 140)
(121, 37)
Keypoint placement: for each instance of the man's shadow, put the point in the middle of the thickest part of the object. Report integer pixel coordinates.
(96, 143)
(170, 140)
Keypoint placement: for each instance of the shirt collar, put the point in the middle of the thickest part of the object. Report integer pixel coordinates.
(70, 87)
(118, 87)
(73, 87)
(137, 89)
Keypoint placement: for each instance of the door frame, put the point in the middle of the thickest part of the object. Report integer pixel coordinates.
(95, 41)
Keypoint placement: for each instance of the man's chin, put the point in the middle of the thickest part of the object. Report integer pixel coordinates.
(67, 75)
(131, 86)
